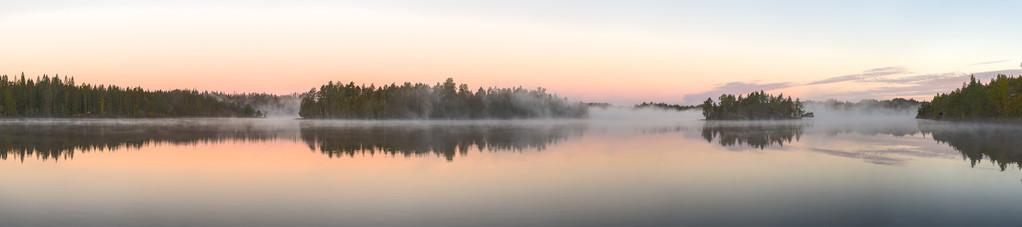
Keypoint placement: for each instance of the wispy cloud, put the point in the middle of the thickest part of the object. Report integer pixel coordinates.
(865, 75)
(883, 84)
(918, 78)
(920, 85)
(988, 62)
(743, 87)
(735, 88)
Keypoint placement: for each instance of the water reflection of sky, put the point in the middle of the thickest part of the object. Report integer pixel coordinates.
(589, 173)
(886, 141)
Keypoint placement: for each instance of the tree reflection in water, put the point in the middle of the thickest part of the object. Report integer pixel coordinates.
(757, 134)
(441, 139)
(1001, 143)
(59, 139)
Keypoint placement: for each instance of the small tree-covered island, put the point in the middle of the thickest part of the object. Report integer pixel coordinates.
(755, 106)
(998, 100)
(445, 100)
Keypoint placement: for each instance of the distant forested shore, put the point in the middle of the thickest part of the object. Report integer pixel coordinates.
(754, 106)
(445, 100)
(665, 106)
(57, 97)
(999, 99)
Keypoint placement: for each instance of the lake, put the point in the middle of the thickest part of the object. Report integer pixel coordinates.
(617, 168)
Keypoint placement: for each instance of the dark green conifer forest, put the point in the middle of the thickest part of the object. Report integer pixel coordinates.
(999, 99)
(445, 100)
(56, 97)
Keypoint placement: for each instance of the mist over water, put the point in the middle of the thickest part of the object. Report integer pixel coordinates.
(286, 108)
(619, 167)
(272, 106)
(826, 112)
(827, 120)
(885, 136)
(60, 138)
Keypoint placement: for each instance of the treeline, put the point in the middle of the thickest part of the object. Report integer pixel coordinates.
(755, 106)
(998, 99)
(665, 106)
(56, 97)
(445, 100)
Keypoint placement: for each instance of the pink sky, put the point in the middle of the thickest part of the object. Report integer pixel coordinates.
(281, 49)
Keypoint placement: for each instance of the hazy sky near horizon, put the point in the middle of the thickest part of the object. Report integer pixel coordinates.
(616, 51)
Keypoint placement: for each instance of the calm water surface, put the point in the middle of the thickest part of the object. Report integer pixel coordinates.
(605, 171)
